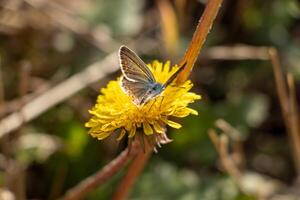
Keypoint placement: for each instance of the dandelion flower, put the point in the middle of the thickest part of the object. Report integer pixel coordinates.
(115, 112)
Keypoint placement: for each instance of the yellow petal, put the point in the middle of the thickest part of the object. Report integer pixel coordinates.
(185, 112)
(147, 128)
(158, 128)
(132, 131)
(100, 135)
(193, 112)
(181, 113)
(166, 69)
(101, 116)
(158, 67)
(172, 124)
(88, 124)
(108, 127)
(128, 126)
(121, 135)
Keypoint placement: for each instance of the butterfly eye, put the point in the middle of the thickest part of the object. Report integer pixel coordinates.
(156, 87)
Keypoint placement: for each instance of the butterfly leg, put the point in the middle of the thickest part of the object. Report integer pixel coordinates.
(152, 104)
(163, 97)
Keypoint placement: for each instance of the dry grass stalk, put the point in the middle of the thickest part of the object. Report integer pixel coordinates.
(221, 145)
(250, 183)
(280, 85)
(235, 135)
(100, 177)
(287, 97)
(237, 52)
(294, 119)
(199, 37)
(135, 169)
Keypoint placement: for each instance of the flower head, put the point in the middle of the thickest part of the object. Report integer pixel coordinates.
(115, 112)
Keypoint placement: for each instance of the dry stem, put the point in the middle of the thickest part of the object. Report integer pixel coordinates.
(95, 180)
(294, 120)
(237, 52)
(133, 172)
(221, 145)
(280, 85)
(199, 37)
(1, 86)
(237, 145)
(287, 98)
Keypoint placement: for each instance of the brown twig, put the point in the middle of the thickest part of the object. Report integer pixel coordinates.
(236, 52)
(237, 145)
(95, 180)
(221, 145)
(286, 94)
(294, 119)
(230, 131)
(199, 37)
(1, 86)
(135, 169)
(280, 85)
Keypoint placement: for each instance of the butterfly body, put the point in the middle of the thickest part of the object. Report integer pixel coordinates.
(138, 81)
(154, 90)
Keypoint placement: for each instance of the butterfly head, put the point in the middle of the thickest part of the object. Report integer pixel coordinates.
(154, 90)
(157, 88)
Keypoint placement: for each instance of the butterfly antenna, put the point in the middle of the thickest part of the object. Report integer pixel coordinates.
(170, 80)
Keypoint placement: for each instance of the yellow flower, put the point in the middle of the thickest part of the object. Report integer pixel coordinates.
(115, 110)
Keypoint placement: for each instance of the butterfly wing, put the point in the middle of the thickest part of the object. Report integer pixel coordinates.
(133, 68)
(137, 90)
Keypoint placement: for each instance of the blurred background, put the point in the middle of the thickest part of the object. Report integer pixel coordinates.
(50, 43)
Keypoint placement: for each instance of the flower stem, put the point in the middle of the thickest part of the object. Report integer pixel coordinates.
(199, 37)
(133, 172)
(100, 177)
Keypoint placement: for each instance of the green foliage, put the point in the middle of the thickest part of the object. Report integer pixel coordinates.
(122, 16)
(182, 184)
(76, 140)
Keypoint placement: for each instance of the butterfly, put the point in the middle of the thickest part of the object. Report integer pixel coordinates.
(137, 80)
